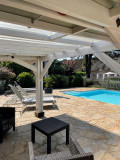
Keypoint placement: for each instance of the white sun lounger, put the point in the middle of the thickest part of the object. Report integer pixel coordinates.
(31, 100)
(25, 93)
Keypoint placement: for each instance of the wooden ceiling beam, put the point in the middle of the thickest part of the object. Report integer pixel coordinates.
(115, 12)
(84, 10)
(12, 18)
(114, 35)
(35, 8)
(58, 37)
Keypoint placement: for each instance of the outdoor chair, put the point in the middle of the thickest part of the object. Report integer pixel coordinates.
(31, 100)
(24, 90)
(7, 120)
(21, 90)
(75, 152)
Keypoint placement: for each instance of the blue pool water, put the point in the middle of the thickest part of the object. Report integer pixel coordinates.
(107, 96)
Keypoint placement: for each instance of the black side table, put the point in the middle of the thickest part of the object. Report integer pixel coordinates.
(49, 127)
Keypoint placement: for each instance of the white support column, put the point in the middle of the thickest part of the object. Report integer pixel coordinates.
(39, 89)
(46, 75)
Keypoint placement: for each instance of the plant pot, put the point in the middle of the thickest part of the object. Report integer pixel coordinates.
(48, 90)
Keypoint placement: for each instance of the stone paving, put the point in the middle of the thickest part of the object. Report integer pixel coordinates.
(96, 126)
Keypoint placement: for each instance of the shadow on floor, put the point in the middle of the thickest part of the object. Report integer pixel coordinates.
(91, 138)
(50, 107)
(61, 97)
(45, 107)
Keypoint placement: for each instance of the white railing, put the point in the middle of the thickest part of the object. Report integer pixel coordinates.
(110, 83)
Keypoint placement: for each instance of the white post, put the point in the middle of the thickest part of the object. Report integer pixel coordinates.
(97, 76)
(103, 76)
(39, 89)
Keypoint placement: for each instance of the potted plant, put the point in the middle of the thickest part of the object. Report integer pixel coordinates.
(48, 85)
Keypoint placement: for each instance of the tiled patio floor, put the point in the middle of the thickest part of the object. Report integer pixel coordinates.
(96, 125)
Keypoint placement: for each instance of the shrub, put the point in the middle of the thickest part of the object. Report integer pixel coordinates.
(26, 79)
(89, 82)
(60, 81)
(16, 68)
(75, 81)
(80, 73)
(7, 75)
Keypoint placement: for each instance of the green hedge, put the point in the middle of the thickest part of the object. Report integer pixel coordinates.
(60, 81)
(26, 80)
(83, 74)
(89, 82)
(75, 81)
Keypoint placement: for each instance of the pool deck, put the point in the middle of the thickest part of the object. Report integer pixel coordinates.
(96, 126)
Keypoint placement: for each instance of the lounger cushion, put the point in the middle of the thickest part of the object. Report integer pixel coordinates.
(29, 100)
(33, 100)
(48, 99)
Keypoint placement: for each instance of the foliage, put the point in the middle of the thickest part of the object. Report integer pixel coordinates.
(71, 78)
(89, 82)
(26, 79)
(6, 73)
(16, 68)
(80, 73)
(75, 80)
(48, 82)
(69, 66)
(83, 64)
(60, 81)
(56, 68)
(113, 78)
(65, 67)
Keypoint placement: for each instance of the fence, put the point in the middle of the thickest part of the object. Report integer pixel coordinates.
(110, 83)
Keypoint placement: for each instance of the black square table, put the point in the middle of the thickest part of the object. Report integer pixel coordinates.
(49, 127)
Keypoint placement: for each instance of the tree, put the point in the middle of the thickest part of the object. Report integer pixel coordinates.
(69, 66)
(88, 59)
(56, 68)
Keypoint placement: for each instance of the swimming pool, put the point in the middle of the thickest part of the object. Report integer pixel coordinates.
(101, 95)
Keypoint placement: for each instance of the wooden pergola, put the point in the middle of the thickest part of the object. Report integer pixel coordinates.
(73, 28)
